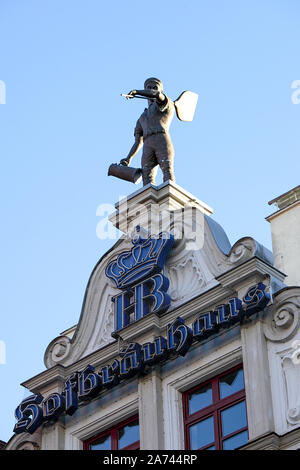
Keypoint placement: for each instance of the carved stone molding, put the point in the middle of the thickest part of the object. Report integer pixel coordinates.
(283, 319)
(242, 250)
(108, 327)
(94, 326)
(291, 375)
(57, 351)
(27, 445)
(26, 441)
(186, 279)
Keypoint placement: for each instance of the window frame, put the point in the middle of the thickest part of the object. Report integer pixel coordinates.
(113, 432)
(215, 410)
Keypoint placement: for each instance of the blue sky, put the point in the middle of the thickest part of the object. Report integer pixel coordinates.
(64, 64)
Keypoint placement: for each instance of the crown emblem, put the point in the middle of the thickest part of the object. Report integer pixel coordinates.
(145, 258)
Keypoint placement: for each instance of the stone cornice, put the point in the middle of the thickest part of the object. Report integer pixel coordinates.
(273, 441)
(247, 269)
(56, 375)
(282, 211)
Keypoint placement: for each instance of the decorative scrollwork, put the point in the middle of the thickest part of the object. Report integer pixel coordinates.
(243, 249)
(57, 351)
(28, 445)
(283, 319)
(26, 441)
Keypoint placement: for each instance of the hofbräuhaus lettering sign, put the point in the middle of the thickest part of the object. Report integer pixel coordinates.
(136, 358)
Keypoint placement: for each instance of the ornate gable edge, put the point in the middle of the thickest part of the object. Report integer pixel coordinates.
(191, 273)
(25, 441)
(93, 328)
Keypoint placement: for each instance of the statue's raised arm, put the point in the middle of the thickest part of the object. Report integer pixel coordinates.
(151, 94)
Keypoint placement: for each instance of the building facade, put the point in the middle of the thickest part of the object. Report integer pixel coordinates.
(184, 341)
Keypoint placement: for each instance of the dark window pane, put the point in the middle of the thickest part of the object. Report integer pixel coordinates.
(128, 434)
(103, 443)
(200, 399)
(234, 418)
(202, 433)
(235, 441)
(231, 383)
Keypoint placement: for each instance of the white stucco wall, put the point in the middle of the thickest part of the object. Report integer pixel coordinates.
(285, 228)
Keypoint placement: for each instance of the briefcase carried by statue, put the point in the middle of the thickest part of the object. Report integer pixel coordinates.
(127, 173)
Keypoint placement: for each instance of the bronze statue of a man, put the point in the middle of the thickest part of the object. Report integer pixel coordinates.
(152, 130)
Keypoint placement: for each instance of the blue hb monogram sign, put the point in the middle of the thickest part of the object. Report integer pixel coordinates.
(137, 273)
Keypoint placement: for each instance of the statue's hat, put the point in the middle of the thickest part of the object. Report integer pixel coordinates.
(155, 80)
